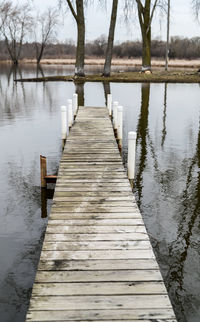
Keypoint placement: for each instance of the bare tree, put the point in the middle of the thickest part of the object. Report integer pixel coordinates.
(77, 10)
(44, 31)
(5, 8)
(196, 8)
(16, 25)
(146, 10)
(109, 49)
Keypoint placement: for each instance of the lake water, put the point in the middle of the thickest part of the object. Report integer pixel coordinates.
(167, 185)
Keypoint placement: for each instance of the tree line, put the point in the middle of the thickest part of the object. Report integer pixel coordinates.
(17, 23)
(179, 48)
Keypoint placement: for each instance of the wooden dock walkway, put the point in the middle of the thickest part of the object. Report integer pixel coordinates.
(97, 263)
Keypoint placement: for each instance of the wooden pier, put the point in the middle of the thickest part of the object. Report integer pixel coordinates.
(97, 263)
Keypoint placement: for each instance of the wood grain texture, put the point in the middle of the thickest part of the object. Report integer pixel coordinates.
(136, 315)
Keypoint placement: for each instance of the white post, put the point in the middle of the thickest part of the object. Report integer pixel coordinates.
(75, 103)
(115, 105)
(131, 154)
(67, 120)
(109, 104)
(64, 122)
(119, 125)
(70, 113)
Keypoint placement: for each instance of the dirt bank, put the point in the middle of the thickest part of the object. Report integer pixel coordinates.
(156, 76)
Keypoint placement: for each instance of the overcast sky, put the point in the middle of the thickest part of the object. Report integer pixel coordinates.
(182, 22)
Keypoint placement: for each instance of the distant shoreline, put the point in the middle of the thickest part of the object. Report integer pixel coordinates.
(157, 63)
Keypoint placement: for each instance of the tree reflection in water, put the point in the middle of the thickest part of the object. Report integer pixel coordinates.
(142, 132)
(179, 248)
(186, 207)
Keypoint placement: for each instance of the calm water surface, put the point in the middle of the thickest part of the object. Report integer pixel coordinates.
(167, 185)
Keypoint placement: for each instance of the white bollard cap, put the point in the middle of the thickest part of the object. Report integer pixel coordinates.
(63, 108)
(120, 108)
(69, 101)
(74, 95)
(132, 135)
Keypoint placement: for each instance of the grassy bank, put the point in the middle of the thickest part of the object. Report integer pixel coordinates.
(156, 77)
(122, 62)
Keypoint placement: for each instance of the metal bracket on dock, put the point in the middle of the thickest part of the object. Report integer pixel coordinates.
(43, 172)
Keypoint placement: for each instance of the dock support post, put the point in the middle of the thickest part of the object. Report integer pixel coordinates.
(109, 104)
(43, 202)
(115, 105)
(119, 126)
(70, 113)
(75, 104)
(131, 156)
(43, 171)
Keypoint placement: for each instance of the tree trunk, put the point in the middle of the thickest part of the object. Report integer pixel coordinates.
(109, 49)
(80, 50)
(39, 55)
(12, 51)
(144, 14)
(146, 50)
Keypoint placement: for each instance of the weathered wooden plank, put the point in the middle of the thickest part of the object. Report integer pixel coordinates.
(92, 209)
(98, 276)
(95, 180)
(96, 203)
(95, 171)
(76, 146)
(102, 245)
(113, 164)
(96, 222)
(87, 140)
(98, 265)
(99, 201)
(90, 175)
(91, 194)
(72, 151)
(100, 164)
(103, 288)
(94, 199)
(95, 229)
(98, 188)
(88, 152)
(99, 216)
(136, 315)
(99, 302)
(102, 237)
(64, 183)
(102, 157)
(100, 254)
